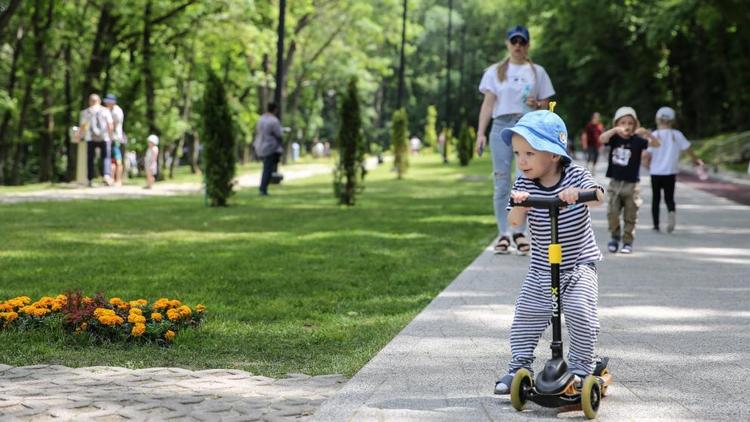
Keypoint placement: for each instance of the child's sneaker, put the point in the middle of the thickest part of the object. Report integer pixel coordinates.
(613, 245)
(503, 386)
(627, 249)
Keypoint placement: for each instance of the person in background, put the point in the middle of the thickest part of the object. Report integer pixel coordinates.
(151, 160)
(627, 141)
(118, 136)
(268, 145)
(511, 88)
(664, 164)
(96, 129)
(592, 144)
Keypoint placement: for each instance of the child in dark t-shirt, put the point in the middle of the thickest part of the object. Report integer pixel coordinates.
(627, 141)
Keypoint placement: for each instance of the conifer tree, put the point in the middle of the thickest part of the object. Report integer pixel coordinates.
(219, 143)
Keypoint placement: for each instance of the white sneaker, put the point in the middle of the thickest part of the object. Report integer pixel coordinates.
(108, 180)
(671, 221)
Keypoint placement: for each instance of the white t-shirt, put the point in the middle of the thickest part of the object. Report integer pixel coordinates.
(519, 84)
(666, 157)
(118, 117)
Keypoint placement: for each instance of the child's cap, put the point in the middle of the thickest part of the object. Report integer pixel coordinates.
(543, 130)
(153, 139)
(518, 31)
(110, 99)
(626, 111)
(665, 113)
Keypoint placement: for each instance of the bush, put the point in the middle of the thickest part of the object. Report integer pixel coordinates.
(430, 135)
(400, 142)
(465, 148)
(218, 143)
(350, 170)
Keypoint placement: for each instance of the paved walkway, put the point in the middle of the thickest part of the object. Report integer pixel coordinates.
(45, 393)
(73, 192)
(675, 321)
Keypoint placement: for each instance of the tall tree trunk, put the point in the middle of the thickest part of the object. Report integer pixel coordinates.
(7, 13)
(103, 43)
(4, 144)
(20, 146)
(70, 149)
(46, 142)
(148, 85)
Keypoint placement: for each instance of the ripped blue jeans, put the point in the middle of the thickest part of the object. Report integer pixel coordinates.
(502, 161)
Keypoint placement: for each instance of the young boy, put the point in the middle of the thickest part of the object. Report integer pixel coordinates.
(539, 144)
(627, 141)
(150, 161)
(664, 161)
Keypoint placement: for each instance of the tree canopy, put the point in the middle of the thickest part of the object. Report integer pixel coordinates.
(155, 55)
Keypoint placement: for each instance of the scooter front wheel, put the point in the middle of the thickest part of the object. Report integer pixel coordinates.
(521, 384)
(591, 396)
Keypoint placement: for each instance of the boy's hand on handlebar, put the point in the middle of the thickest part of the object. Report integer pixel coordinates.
(569, 195)
(519, 196)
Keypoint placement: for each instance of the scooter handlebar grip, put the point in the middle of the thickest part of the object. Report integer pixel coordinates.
(538, 201)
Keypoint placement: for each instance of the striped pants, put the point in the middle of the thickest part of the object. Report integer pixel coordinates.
(579, 291)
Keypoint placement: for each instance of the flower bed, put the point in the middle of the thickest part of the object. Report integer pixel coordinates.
(113, 320)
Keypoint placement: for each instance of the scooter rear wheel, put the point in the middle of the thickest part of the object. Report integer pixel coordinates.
(521, 384)
(591, 396)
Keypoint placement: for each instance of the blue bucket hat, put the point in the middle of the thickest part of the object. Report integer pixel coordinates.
(543, 130)
(518, 31)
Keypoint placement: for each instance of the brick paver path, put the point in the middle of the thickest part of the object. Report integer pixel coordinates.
(53, 392)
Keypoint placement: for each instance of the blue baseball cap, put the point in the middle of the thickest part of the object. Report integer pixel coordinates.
(518, 31)
(110, 98)
(543, 130)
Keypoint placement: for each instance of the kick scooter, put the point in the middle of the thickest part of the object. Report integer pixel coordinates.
(555, 385)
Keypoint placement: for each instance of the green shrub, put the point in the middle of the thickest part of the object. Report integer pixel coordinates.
(430, 135)
(465, 148)
(350, 170)
(218, 143)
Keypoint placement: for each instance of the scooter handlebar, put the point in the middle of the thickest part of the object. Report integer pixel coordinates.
(547, 202)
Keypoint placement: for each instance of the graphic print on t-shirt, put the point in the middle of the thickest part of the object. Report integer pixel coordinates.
(621, 156)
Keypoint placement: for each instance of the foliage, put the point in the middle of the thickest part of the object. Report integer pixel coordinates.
(430, 136)
(399, 135)
(465, 147)
(219, 142)
(350, 170)
(691, 55)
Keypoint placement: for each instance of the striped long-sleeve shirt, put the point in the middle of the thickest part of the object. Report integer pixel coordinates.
(574, 223)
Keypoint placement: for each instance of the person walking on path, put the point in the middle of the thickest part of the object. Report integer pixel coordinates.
(96, 128)
(511, 89)
(539, 142)
(591, 142)
(664, 161)
(627, 141)
(151, 160)
(267, 144)
(118, 136)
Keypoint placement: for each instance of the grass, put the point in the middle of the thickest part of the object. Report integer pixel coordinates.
(292, 282)
(728, 151)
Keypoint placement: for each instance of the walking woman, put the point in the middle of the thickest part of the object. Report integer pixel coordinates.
(511, 88)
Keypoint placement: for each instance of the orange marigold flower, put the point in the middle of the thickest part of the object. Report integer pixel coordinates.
(138, 330)
(173, 314)
(116, 301)
(40, 312)
(200, 308)
(57, 305)
(103, 311)
(184, 311)
(137, 311)
(62, 298)
(9, 316)
(169, 335)
(4, 307)
(28, 310)
(138, 303)
(175, 303)
(156, 317)
(136, 319)
(87, 300)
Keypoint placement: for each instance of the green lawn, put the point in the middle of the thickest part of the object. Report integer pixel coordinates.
(292, 282)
